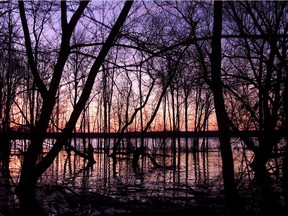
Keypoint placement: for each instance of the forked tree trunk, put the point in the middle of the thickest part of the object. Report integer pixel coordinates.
(32, 169)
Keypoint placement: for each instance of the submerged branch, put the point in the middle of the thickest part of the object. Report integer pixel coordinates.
(88, 156)
(141, 152)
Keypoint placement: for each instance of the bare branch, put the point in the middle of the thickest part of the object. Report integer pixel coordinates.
(31, 60)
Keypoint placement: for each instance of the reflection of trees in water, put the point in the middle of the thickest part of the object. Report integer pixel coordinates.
(68, 162)
(188, 166)
(193, 171)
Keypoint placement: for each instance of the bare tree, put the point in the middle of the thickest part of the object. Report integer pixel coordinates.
(12, 70)
(257, 82)
(221, 113)
(32, 169)
(261, 79)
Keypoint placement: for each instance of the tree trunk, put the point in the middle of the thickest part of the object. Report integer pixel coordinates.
(25, 192)
(285, 127)
(221, 114)
(261, 157)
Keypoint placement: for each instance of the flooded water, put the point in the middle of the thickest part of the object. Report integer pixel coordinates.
(193, 171)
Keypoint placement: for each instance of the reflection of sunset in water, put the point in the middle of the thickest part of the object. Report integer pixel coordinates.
(15, 166)
(191, 170)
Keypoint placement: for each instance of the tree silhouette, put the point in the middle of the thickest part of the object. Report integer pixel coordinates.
(33, 168)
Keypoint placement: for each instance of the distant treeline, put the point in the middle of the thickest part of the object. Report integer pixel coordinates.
(156, 134)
